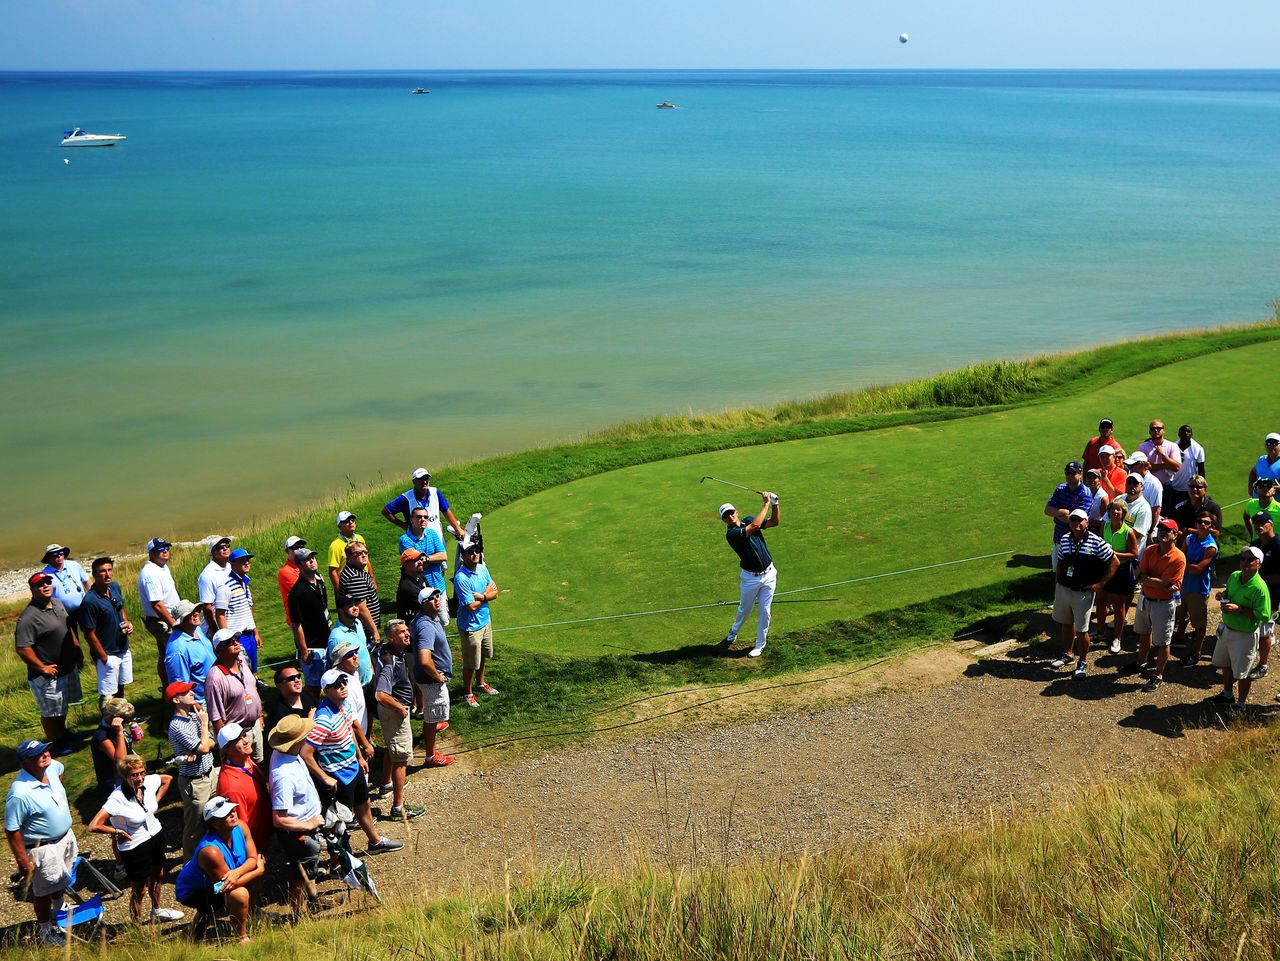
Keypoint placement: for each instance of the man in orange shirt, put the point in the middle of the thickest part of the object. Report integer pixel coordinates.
(1160, 574)
(1106, 438)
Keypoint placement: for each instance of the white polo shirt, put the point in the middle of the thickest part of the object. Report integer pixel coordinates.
(155, 583)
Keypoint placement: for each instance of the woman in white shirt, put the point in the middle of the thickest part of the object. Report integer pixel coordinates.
(130, 815)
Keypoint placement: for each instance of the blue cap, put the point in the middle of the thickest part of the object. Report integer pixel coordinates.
(238, 553)
(29, 749)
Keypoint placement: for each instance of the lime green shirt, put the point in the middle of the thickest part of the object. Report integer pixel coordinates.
(1273, 509)
(1253, 597)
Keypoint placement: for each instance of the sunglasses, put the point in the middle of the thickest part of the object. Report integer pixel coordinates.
(291, 677)
(338, 684)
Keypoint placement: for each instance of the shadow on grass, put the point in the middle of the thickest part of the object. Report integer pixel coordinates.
(1035, 561)
(693, 652)
(1174, 720)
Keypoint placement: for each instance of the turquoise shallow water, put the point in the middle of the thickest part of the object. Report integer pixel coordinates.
(282, 281)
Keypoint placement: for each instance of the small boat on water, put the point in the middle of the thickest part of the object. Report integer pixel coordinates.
(419, 90)
(80, 138)
(666, 105)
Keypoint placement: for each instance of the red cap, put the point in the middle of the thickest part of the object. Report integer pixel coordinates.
(177, 688)
(39, 577)
(1168, 524)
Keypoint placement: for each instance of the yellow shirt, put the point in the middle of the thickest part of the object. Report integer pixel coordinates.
(338, 550)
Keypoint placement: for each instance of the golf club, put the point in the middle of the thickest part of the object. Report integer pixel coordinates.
(708, 477)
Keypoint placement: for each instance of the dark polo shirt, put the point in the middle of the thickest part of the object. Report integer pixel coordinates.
(45, 631)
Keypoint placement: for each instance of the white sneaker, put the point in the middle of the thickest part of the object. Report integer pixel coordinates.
(756, 651)
(48, 934)
(1115, 645)
(166, 914)
(730, 638)
(1062, 661)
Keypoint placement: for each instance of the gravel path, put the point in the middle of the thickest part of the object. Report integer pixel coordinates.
(940, 737)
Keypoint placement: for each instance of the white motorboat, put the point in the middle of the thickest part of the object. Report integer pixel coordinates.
(420, 90)
(666, 105)
(79, 138)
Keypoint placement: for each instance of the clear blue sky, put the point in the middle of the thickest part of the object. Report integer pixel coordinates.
(440, 34)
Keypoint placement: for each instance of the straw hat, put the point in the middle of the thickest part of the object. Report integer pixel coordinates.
(290, 732)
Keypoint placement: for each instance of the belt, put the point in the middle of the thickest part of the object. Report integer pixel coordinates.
(758, 573)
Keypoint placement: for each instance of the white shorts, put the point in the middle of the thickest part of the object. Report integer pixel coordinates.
(1156, 618)
(1072, 607)
(55, 695)
(435, 702)
(51, 863)
(1237, 651)
(115, 673)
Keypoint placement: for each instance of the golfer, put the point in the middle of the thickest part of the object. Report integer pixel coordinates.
(759, 577)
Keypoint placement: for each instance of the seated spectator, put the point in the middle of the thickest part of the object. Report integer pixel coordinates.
(129, 817)
(216, 880)
(244, 784)
(295, 810)
(292, 698)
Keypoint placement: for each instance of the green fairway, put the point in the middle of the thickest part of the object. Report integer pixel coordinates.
(648, 537)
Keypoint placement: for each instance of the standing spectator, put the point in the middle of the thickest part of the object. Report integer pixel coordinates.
(231, 692)
(1246, 604)
(1137, 510)
(292, 699)
(129, 817)
(1105, 438)
(106, 630)
(1152, 489)
(70, 582)
(1160, 572)
(295, 809)
(1186, 512)
(1113, 474)
(188, 656)
(1192, 455)
(288, 575)
(356, 581)
(423, 495)
(394, 696)
(213, 586)
(338, 546)
(1068, 496)
(1267, 542)
(1265, 488)
(217, 879)
(108, 745)
(337, 754)
(345, 659)
(242, 781)
(1085, 564)
(240, 612)
(1101, 499)
(1117, 593)
(348, 630)
(427, 540)
(1268, 465)
(1197, 584)
(308, 607)
(411, 583)
(1165, 460)
(192, 745)
(53, 659)
(474, 589)
(432, 671)
(158, 594)
(37, 822)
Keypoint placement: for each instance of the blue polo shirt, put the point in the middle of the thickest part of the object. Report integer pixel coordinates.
(102, 616)
(342, 634)
(1201, 583)
(429, 543)
(428, 635)
(38, 810)
(465, 583)
(1063, 497)
(402, 506)
(189, 659)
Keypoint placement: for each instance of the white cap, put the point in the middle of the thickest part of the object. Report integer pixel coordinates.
(231, 731)
(217, 807)
(420, 473)
(1137, 457)
(1106, 449)
(726, 508)
(292, 541)
(1078, 512)
(222, 636)
(1137, 477)
(345, 516)
(332, 676)
(1273, 436)
(427, 593)
(1257, 554)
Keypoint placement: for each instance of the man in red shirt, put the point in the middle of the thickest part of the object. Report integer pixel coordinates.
(288, 575)
(1106, 438)
(242, 782)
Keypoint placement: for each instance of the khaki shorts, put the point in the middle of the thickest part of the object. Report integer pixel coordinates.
(1072, 607)
(1156, 618)
(55, 695)
(435, 702)
(1197, 610)
(52, 862)
(397, 733)
(477, 646)
(1236, 650)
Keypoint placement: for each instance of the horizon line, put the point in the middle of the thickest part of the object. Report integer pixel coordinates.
(397, 70)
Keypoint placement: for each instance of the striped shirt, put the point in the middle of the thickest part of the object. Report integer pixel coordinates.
(184, 738)
(239, 603)
(1065, 497)
(357, 582)
(1086, 560)
(334, 741)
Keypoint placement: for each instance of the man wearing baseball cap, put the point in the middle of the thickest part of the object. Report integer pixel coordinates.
(757, 577)
(1268, 465)
(192, 744)
(1105, 437)
(1246, 605)
(427, 540)
(1070, 495)
(1265, 489)
(1152, 488)
(338, 547)
(289, 573)
(1085, 564)
(432, 671)
(1160, 572)
(242, 781)
(213, 586)
(422, 494)
(37, 822)
(187, 656)
(159, 594)
(231, 692)
(309, 618)
(53, 658)
(474, 588)
(240, 605)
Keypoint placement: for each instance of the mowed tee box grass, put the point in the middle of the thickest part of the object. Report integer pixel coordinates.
(853, 505)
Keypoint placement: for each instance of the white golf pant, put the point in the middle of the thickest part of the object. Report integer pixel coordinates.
(756, 589)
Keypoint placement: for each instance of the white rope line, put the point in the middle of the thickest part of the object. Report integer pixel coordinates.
(798, 590)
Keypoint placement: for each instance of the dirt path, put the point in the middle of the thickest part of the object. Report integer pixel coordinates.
(942, 736)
